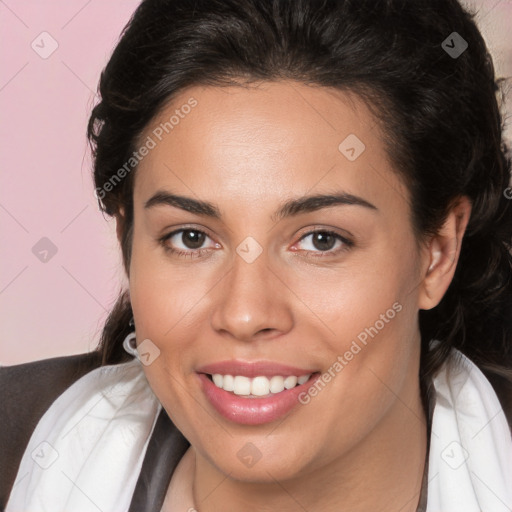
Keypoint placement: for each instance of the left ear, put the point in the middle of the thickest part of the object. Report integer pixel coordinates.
(442, 254)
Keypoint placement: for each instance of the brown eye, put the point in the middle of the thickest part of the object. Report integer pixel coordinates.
(187, 242)
(192, 239)
(324, 243)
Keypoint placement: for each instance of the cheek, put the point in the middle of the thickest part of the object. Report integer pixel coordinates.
(163, 295)
(348, 300)
(367, 318)
(163, 301)
(371, 365)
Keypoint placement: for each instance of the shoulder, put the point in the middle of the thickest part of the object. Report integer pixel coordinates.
(503, 387)
(28, 390)
(499, 378)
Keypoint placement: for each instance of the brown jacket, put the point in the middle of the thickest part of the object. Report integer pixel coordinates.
(29, 389)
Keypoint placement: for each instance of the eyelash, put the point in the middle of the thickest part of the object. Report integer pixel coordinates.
(197, 253)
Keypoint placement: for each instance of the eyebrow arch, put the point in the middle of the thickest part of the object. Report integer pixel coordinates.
(290, 208)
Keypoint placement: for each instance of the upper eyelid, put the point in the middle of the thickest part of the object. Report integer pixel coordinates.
(343, 233)
(186, 228)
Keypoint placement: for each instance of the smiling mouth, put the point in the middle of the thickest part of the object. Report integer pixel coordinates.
(255, 400)
(260, 386)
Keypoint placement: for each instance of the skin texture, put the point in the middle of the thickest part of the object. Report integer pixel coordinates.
(360, 444)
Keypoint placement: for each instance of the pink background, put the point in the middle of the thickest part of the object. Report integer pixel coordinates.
(57, 307)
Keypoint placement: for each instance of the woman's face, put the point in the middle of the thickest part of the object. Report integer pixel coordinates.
(252, 287)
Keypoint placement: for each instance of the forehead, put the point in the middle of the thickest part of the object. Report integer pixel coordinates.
(272, 140)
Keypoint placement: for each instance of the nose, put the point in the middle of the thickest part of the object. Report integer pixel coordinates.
(252, 302)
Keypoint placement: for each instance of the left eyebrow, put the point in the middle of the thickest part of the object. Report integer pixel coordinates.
(308, 204)
(290, 208)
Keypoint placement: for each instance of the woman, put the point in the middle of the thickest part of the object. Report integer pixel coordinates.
(311, 201)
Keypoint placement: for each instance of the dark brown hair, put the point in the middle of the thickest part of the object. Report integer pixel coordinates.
(440, 112)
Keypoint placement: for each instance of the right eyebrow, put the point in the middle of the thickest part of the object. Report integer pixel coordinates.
(184, 203)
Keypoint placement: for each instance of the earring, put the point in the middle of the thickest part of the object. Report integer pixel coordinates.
(130, 346)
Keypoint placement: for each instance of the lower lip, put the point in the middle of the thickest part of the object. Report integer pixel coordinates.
(253, 411)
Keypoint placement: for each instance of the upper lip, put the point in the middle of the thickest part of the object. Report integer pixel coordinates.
(253, 369)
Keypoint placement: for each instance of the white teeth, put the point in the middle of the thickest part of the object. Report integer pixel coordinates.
(290, 382)
(303, 378)
(218, 380)
(242, 385)
(276, 384)
(228, 383)
(259, 386)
